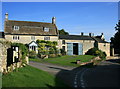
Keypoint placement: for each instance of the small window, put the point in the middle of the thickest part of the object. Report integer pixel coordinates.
(16, 27)
(46, 38)
(32, 37)
(15, 37)
(63, 41)
(46, 29)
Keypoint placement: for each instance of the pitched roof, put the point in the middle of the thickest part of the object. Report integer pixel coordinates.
(99, 40)
(75, 37)
(29, 27)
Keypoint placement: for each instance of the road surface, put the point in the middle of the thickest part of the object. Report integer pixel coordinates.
(106, 74)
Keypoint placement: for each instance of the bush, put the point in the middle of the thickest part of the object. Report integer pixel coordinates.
(96, 52)
(51, 55)
(62, 51)
(32, 54)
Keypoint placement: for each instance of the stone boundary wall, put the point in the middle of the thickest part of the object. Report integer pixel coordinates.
(3, 57)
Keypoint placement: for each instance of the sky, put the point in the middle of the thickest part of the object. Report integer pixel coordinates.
(74, 17)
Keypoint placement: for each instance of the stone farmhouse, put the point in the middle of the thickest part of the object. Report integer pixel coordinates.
(27, 32)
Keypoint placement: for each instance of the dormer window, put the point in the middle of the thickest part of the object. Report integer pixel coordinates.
(46, 29)
(16, 27)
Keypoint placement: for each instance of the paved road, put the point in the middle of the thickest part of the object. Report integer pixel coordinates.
(106, 74)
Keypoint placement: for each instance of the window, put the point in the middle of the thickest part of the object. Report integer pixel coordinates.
(16, 27)
(32, 37)
(63, 41)
(15, 37)
(46, 29)
(46, 38)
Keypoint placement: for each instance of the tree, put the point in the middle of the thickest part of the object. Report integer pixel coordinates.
(63, 32)
(116, 39)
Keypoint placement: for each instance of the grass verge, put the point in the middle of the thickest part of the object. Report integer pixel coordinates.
(31, 77)
(66, 60)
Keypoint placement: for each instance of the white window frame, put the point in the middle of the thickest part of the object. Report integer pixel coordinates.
(46, 29)
(16, 27)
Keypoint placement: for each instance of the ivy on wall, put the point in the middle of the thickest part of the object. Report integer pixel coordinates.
(23, 49)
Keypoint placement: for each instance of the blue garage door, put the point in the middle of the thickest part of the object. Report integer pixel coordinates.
(69, 48)
(80, 49)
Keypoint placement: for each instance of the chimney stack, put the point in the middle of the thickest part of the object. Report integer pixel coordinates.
(6, 16)
(102, 36)
(82, 33)
(53, 20)
(90, 34)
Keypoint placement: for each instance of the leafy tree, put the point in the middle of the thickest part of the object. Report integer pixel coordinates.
(116, 39)
(63, 32)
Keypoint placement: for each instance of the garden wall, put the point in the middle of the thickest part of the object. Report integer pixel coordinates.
(3, 56)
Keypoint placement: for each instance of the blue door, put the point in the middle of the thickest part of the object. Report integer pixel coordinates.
(69, 48)
(80, 49)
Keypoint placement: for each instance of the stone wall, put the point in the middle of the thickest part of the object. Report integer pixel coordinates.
(87, 44)
(4, 68)
(3, 55)
(26, 39)
(104, 47)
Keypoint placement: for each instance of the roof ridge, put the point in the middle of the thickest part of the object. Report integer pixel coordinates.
(29, 21)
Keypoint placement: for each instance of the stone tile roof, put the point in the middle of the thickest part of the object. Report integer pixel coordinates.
(99, 40)
(29, 27)
(75, 37)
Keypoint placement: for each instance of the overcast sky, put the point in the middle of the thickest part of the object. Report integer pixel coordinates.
(74, 17)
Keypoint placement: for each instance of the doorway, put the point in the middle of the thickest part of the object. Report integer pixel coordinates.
(75, 48)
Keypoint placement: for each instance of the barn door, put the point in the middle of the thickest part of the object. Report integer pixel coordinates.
(69, 48)
(80, 49)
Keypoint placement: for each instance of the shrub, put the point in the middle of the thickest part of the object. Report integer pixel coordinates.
(51, 55)
(51, 50)
(62, 51)
(96, 52)
(32, 54)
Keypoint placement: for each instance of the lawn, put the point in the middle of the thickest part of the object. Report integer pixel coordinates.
(31, 77)
(66, 60)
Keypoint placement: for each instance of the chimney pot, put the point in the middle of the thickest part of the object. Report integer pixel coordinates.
(90, 34)
(6, 16)
(53, 20)
(82, 33)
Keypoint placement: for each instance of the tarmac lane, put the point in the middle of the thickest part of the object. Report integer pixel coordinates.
(105, 75)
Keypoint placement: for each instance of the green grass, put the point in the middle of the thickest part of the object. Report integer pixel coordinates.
(66, 60)
(31, 77)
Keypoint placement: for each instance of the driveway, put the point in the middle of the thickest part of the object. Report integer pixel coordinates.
(51, 68)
